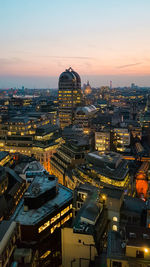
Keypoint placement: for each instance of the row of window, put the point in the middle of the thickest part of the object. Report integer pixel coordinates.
(55, 218)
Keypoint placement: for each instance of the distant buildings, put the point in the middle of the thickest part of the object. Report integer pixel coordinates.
(87, 89)
(121, 139)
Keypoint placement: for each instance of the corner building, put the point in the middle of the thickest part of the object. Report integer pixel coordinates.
(69, 96)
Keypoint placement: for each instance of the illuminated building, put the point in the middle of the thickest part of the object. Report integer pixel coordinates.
(67, 156)
(81, 193)
(102, 140)
(105, 92)
(12, 188)
(82, 242)
(102, 104)
(104, 169)
(101, 121)
(5, 158)
(69, 96)
(145, 116)
(83, 117)
(31, 135)
(136, 131)
(113, 199)
(9, 235)
(88, 89)
(132, 248)
(47, 207)
(3, 181)
(46, 142)
(142, 181)
(121, 139)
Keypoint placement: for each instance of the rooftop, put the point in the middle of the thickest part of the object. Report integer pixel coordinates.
(45, 129)
(109, 164)
(86, 110)
(108, 158)
(88, 214)
(24, 167)
(33, 216)
(133, 204)
(22, 119)
(112, 193)
(40, 185)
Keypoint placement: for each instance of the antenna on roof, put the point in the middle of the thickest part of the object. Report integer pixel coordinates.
(70, 69)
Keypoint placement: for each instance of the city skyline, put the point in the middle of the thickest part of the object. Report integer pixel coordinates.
(102, 40)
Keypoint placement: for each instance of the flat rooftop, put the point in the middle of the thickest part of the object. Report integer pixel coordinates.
(46, 128)
(33, 166)
(40, 185)
(112, 159)
(118, 174)
(87, 216)
(34, 216)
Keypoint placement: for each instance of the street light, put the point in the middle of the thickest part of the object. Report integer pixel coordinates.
(146, 250)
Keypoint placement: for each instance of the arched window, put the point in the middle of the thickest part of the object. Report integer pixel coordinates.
(115, 219)
(114, 228)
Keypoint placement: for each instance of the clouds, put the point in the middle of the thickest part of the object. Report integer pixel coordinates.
(12, 60)
(70, 57)
(129, 65)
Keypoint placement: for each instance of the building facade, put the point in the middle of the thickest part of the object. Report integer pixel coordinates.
(69, 96)
(102, 140)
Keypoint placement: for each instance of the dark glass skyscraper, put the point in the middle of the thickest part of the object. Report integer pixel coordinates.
(69, 96)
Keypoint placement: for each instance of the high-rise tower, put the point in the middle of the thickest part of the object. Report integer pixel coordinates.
(69, 96)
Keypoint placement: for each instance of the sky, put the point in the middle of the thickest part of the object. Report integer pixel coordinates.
(102, 40)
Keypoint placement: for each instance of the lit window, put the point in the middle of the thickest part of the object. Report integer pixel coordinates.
(115, 219)
(52, 230)
(45, 254)
(114, 228)
(44, 226)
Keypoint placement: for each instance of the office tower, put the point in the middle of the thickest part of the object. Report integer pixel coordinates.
(69, 96)
(102, 140)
